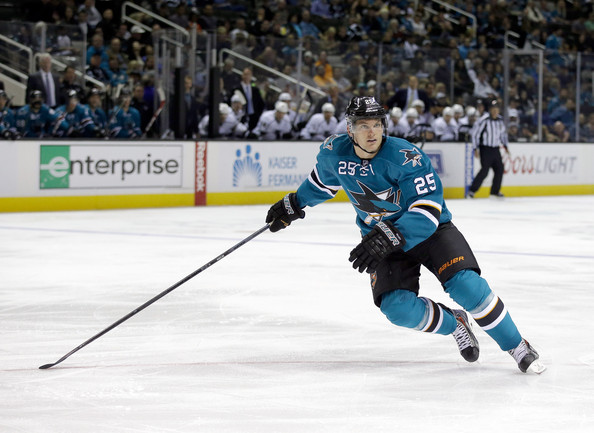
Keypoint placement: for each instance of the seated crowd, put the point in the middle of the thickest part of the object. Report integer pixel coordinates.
(437, 74)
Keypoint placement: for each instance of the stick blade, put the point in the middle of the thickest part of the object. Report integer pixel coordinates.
(46, 366)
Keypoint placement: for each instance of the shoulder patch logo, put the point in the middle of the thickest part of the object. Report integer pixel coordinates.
(411, 155)
(327, 144)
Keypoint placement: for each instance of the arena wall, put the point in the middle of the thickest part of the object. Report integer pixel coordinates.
(54, 175)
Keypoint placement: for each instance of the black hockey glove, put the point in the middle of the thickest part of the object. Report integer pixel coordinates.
(382, 240)
(282, 213)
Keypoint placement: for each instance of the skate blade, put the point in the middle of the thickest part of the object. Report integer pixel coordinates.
(537, 367)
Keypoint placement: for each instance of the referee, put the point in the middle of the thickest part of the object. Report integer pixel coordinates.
(489, 135)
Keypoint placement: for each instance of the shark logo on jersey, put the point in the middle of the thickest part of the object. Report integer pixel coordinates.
(376, 205)
(327, 144)
(412, 155)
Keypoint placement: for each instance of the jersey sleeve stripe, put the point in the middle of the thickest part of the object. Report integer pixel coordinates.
(314, 178)
(428, 208)
(427, 203)
(430, 215)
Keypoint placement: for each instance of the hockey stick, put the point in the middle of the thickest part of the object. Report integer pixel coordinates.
(159, 296)
(161, 94)
(150, 124)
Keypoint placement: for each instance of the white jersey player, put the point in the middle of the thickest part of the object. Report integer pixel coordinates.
(229, 126)
(445, 127)
(395, 116)
(320, 125)
(274, 124)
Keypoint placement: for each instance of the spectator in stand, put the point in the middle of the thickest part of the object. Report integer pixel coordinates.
(136, 53)
(240, 46)
(323, 61)
(309, 64)
(321, 125)
(588, 135)
(559, 134)
(533, 17)
(82, 18)
(335, 97)
(45, 81)
(62, 45)
(208, 21)
(320, 77)
(107, 25)
(344, 85)
(181, 15)
(137, 39)
(240, 27)
(307, 27)
(96, 71)
(115, 50)
(97, 47)
(482, 88)
(94, 17)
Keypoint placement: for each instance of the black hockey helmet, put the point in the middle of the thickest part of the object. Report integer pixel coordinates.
(35, 96)
(72, 94)
(95, 91)
(364, 107)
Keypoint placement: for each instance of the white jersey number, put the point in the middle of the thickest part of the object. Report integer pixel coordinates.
(425, 184)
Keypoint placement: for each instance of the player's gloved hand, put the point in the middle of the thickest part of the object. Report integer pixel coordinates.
(282, 213)
(382, 240)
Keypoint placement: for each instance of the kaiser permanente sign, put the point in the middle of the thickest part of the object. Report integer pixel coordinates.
(52, 175)
(105, 166)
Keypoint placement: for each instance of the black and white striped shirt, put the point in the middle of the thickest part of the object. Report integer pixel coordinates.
(490, 132)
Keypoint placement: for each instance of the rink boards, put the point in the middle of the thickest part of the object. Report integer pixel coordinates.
(64, 175)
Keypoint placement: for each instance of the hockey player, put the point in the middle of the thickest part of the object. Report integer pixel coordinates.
(274, 124)
(405, 223)
(97, 113)
(445, 127)
(407, 123)
(320, 125)
(229, 126)
(124, 120)
(395, 114)
(38, 120)
(7, 120)
(78, 117)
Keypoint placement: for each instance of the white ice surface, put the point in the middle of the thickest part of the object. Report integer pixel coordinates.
(282, 335)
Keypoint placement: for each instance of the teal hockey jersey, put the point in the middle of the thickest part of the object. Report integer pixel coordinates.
(398, 184)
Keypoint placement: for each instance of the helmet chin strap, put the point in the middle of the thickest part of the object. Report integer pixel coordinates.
(365, 150)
